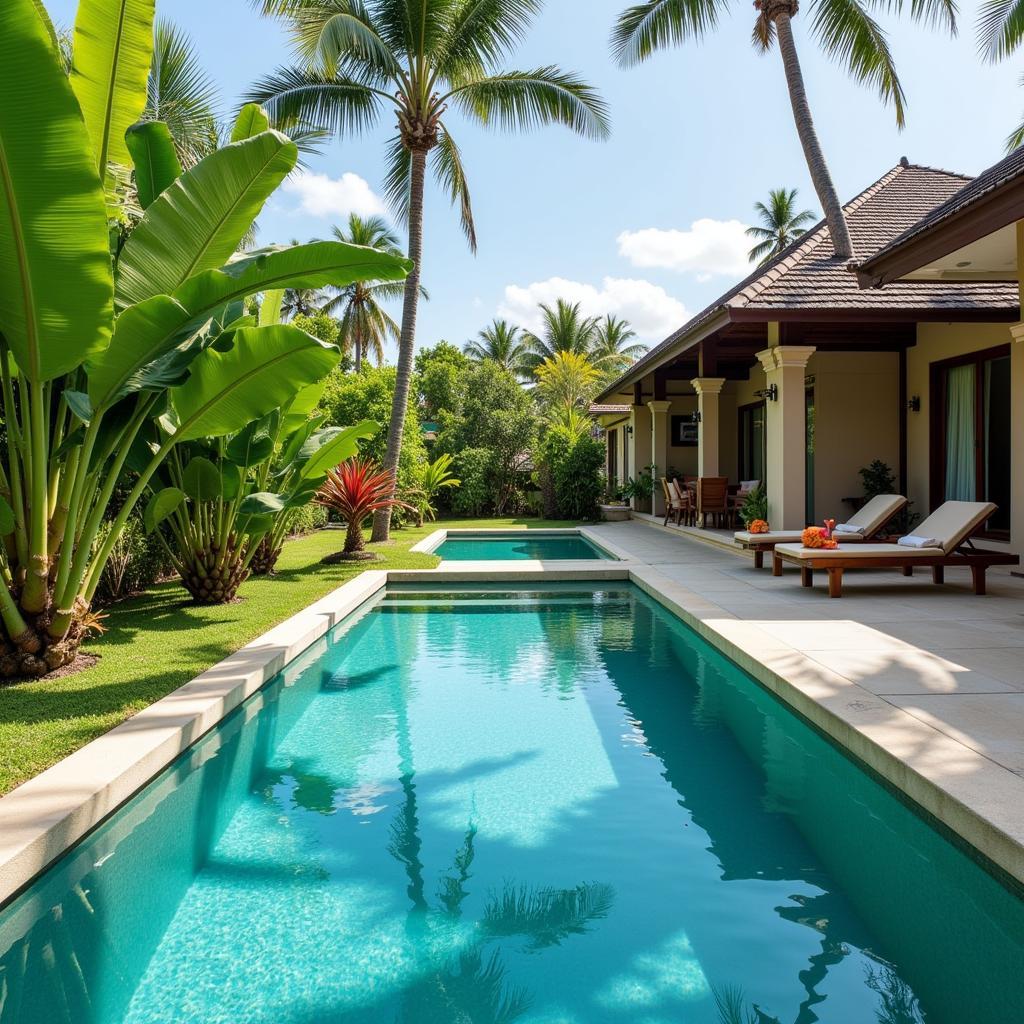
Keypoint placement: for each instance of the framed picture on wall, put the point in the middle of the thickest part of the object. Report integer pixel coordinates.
(684, 431)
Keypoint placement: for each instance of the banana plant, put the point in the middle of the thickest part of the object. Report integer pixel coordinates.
(114, 343)
(212, 504)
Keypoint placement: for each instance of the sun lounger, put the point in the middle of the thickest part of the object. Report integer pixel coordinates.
(950, 526)
(869, 520)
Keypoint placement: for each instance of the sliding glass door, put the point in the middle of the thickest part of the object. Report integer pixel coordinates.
(971, 431)
(752, 441)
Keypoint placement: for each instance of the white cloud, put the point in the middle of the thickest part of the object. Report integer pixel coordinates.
(710, 247)
(652, 312)
(323, 196)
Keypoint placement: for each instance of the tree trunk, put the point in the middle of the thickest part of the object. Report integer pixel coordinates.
(407, 340)
(358, 346)
(820, 176)
(354, 536)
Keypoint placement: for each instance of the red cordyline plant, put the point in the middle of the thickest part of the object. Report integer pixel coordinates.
(355, 490)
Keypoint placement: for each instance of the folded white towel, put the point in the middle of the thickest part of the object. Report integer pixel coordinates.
(849, 528)
(913, 541)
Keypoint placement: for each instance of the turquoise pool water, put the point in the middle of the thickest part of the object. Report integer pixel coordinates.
(487, 806)
(517, 546)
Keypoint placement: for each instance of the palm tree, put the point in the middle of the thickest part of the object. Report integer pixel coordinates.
(846, 33)
(306, 301)
(181, 93)
(566, 380)
(613, 349)
(419, 59)
(780, 225)
(564, 328)
(364, 323)
(1000, 32)
(502, 343)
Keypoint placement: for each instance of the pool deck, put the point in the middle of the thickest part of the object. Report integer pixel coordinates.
(923, 683)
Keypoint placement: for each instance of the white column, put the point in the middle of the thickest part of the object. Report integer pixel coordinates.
(659, 448)
(708, 389)
(639, 446)
(784, 367)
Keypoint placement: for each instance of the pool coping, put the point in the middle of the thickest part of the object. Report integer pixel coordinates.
(45, 816)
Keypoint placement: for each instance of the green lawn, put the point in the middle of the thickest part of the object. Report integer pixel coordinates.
(158, 641)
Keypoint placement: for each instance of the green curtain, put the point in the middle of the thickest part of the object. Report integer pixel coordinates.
(961, 477)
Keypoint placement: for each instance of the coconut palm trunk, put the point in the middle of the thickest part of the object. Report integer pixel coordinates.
(407, 341)
(821, 178)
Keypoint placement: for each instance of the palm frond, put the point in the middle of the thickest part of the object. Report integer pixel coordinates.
(1016, 138)
(397, 179)
(300, 96)
(413, 27)
(329, 32)
(936, 13)
(524, 100)
(450, 173)
(850, 36)
(1000, 28)
(180, 93)
(482, 33)
(656, 24)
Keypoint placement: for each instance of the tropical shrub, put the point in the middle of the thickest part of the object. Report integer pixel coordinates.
(137, 561)
(215, 499)
(437, 477)
(131, 350)
(474, 496)
(571, 474)
(755, 506)
(355, 490)
(367, 395)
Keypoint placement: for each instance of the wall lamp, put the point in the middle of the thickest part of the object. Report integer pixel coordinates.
(914, 405)
(629, 430)
(697, 417)
(771, 393)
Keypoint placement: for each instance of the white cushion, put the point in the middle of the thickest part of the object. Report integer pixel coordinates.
(894, 551)
(875, 513)
(954, 521)
(773, 537)
(849, 528)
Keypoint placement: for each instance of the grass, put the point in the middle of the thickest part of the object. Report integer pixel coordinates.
(156, 642)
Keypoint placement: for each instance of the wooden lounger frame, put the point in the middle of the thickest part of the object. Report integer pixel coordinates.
(760, 548)
(978, 560)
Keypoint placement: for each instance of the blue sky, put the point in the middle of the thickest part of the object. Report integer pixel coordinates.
(647, 224)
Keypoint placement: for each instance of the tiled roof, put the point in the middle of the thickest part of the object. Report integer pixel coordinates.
(808, 276)
(996, 176)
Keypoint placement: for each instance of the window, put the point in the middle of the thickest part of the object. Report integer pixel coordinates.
(752, 440)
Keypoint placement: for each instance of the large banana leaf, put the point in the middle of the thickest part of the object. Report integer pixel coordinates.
(143, 333)
(156, 162)
(343, 445)
(55, 283)
(154, 327)
(263, 369)
(198, 221)
(113, 50)
(314, 265)
(252, 119)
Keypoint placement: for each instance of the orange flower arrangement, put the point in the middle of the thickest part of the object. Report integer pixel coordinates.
(758, 526)
(815, 537)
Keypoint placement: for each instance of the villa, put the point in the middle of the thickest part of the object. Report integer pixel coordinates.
(800, 376)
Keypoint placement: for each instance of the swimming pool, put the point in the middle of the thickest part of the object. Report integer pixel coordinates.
(517, 545)
(485, 804)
